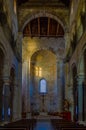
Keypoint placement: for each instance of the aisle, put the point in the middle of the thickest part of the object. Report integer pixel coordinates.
(43, 125)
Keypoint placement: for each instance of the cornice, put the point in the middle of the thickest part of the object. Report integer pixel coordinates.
(43, 4)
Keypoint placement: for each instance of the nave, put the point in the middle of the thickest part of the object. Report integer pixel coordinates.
(42, 64)
(37, 123)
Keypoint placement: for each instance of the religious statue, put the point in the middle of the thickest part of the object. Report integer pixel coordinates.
(66, 105)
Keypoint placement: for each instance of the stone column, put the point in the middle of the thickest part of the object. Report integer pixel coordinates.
(56, 84)
(15, 101)
(6, 90)
(59, 86)
(1, 100)
(84, 100)
(28, 87)
(19, 43)
(80, 97)
(6, 99)
(19, 107)
(67, 81)
(24, 88)
(67, 41)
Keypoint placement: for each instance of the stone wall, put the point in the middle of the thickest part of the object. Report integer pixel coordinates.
(8, 35)
(76, 57)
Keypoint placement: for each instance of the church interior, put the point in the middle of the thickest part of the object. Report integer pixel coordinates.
(43, 64)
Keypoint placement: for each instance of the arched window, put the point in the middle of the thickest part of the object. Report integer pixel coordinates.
(43, 86)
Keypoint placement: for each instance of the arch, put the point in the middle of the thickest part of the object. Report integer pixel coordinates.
(3, 49)
(12, 72)
(2, 58)
(74, 70)
(42, 49)
(84, 86)
(3, 88)
(41, 14)
(43, 68)
(39, 60)
(8, 92)
(43, 26)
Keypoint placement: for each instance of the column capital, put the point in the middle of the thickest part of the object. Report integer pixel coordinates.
(80, 79)
(59, 61)
(6, 80)
(81, 76)
(19, 38)
(20, 34)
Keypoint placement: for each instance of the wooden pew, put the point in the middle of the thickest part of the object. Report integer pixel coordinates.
(63, 124)
(12, 128)
(25, 124)
(68, 128)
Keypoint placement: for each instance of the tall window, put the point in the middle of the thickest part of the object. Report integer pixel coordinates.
(38, 71)
(43, 86)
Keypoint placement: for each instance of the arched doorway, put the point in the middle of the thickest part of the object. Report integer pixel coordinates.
(75, 92)
(1, 84)
(43, 38)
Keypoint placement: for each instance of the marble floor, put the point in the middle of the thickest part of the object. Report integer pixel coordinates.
(43, 125)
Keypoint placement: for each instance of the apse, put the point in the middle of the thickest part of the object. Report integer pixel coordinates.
(43, 80)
